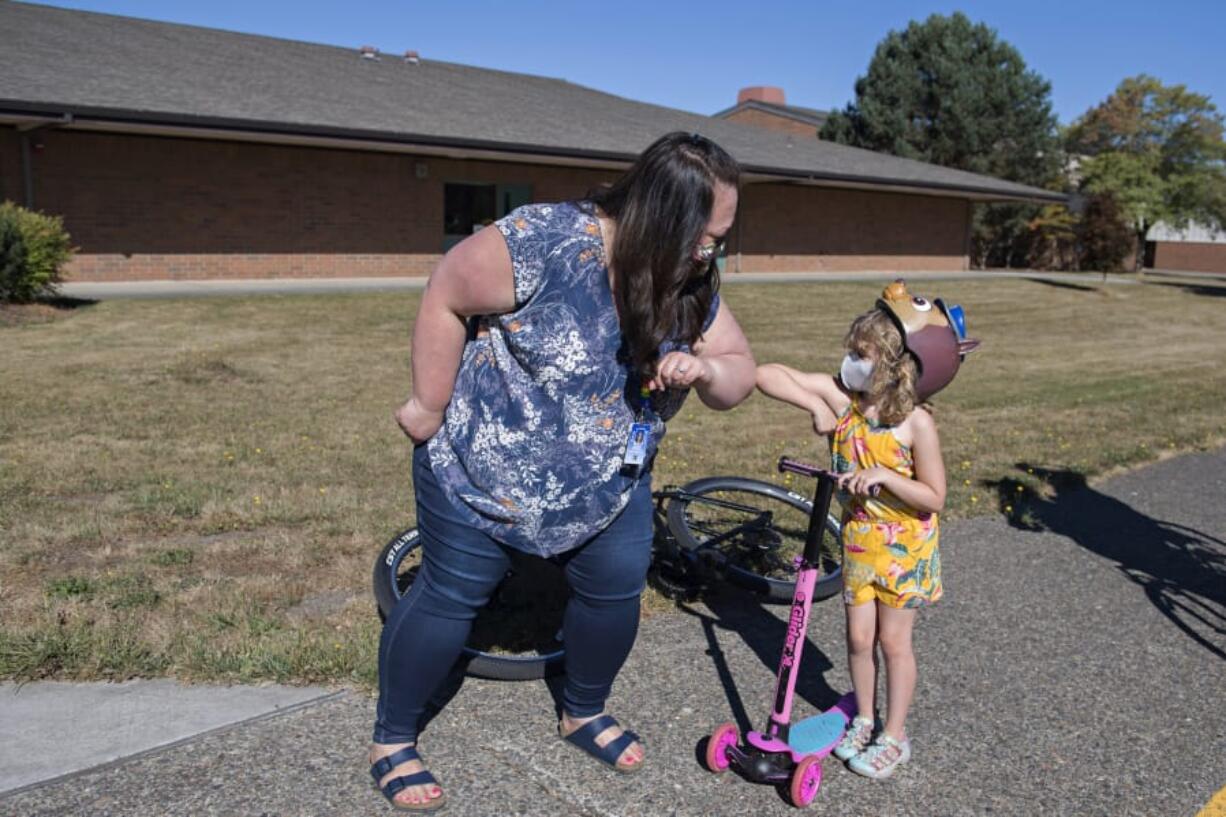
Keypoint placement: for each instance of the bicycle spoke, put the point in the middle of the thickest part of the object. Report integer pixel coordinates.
(753, 532)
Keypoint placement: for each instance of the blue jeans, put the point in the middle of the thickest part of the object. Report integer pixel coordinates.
(461, 567)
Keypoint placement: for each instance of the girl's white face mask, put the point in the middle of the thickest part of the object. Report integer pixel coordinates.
(855, 372)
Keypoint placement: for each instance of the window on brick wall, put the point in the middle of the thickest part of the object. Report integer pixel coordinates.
(468, 206)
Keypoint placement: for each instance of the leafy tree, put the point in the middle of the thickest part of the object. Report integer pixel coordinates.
(950, 92)
(1054, 238)
(1105, 236)
(1157, 150)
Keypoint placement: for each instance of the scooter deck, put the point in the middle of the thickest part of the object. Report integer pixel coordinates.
(819, 734)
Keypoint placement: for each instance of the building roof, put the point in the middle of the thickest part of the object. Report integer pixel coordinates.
(1194, 233)
(809, 116)
(92, 71)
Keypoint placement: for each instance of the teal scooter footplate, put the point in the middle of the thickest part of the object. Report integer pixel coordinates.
(819, 734)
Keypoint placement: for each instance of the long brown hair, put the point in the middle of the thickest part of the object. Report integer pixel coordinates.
(662, 205)
(891, 388)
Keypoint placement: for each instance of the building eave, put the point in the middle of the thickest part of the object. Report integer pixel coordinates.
(110, 120)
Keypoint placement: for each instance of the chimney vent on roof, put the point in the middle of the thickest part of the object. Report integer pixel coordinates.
(369, 52)
(412, 57)
(761, 93)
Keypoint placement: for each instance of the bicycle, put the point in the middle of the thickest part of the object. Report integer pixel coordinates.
(748, 532)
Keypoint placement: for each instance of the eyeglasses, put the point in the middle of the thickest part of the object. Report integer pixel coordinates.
(709, 252)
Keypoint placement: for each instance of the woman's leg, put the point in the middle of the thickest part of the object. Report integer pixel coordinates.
(426, 631)
(606, 576)
(896, 626)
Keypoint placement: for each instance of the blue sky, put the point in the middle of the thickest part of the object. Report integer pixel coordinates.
(696, 55)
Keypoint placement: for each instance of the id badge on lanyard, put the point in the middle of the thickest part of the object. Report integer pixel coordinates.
(639, 440)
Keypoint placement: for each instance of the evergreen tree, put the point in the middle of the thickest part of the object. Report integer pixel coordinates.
(950, 92)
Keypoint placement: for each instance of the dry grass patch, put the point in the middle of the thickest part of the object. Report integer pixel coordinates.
(199, 487)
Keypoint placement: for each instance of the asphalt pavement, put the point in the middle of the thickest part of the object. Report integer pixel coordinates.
(1077, 666)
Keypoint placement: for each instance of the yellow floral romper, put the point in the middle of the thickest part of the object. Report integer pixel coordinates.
(889, 549)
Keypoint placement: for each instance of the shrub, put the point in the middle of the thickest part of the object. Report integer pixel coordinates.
(12, 252)
(33, 251)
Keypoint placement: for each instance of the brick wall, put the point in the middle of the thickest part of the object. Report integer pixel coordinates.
(11, 186)
(1190, 256)
(792, 228)
(762, 119)
(164, 208)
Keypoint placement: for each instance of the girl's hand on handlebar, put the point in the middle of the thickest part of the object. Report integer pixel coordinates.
(420, 424)
(862, 482)
(678, 370)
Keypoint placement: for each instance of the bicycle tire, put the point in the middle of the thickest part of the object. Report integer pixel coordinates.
(755, 558)
(394, 572)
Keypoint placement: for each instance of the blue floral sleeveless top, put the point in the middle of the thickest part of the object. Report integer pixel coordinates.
(531, 446)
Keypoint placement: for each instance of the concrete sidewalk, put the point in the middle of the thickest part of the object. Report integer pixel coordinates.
(1074, 668)
(52, 729)
(314, 286)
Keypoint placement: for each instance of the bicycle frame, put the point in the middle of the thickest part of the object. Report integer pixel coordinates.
(761, 518)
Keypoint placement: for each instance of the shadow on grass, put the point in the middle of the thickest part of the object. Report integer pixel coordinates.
(1194, 289)
(1180, 569)
(43, 310)
(1047, 282)
(65, 302)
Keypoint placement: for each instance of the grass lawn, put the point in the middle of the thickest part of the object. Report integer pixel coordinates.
(198, 487)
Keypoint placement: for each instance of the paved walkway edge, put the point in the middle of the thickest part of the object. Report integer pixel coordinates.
(162, 747)
(104, 290)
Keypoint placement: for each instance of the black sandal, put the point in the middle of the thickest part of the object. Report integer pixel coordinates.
(585, 738)
(398, 784)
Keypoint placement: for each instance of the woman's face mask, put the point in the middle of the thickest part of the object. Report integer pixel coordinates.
(855, 372)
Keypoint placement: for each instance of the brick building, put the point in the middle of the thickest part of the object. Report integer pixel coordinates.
(175, 151)
(766, 107)
(1195, 248)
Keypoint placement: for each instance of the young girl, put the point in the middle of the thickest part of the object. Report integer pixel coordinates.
(898, 355)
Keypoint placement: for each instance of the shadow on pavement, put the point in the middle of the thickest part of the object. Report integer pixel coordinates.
(1181, 570)
(764, 633)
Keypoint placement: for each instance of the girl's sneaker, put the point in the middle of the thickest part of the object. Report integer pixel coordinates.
(881, 759)
(855, 739)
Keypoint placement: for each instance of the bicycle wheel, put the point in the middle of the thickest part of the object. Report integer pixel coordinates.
(758, 530)
(507, 641)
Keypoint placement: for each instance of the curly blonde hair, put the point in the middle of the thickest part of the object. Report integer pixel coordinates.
(892, 385)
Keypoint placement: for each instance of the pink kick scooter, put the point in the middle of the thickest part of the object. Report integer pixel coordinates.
(786, 753)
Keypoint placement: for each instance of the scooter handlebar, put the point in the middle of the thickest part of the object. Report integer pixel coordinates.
(787, 464)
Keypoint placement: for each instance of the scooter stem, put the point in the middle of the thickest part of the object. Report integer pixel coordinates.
(802, 605)
(789, 663)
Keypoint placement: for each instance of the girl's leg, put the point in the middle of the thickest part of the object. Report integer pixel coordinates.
(424, 634)
(896, 626)
(861, 640)
(606, 576)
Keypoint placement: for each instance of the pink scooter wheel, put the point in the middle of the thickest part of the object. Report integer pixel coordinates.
(806, 780)
(724, 737)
